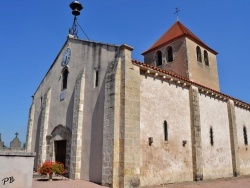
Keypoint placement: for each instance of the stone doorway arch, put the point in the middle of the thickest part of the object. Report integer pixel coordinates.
(60, 135)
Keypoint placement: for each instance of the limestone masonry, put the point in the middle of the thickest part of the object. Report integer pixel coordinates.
(122, 123)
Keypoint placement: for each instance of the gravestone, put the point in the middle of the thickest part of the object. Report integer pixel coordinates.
(1, 143)
(15, 143)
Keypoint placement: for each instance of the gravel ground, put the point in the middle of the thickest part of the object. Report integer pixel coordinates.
(239, 182)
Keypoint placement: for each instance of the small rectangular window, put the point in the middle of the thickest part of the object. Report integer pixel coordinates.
(211, 136)
(96, 78)
(245, 135)
(165, 131)
(41, 102)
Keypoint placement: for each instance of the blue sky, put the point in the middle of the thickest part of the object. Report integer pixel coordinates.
(33, 32)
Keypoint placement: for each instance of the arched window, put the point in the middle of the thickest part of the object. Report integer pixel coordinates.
(165, 124)
(65, 73)
(198, 53)
(169, 54)
(206, 58)
(245, 135)
(159, 58)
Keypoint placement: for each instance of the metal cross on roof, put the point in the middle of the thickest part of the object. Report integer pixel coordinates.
(16, 134)
(177, 10)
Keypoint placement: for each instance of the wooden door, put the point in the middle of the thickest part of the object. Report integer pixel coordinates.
(60, 151)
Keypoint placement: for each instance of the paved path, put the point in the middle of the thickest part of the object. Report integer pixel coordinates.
(240, 182)
(63, 183)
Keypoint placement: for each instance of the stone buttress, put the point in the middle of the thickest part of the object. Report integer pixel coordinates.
(121, 156)
(233, 137)
(44, 127)
(196, 133)
(76, 137)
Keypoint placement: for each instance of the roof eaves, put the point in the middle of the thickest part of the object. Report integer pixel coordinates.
(165, 43)
(237, 102)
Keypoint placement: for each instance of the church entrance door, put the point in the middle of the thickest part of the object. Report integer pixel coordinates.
(60, 151)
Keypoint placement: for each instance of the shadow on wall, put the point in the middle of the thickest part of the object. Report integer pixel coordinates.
(70, 111)
(96, 145)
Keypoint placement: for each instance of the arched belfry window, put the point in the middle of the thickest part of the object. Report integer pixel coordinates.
(65, 73)
(159, 58)
(198, 53)
(169, 54)
(206, 60)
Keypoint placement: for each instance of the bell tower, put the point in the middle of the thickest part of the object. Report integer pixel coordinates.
(181, 52)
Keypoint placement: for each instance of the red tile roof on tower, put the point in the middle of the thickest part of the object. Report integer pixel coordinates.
(177, 30)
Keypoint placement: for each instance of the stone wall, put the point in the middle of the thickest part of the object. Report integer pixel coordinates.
(79, 108)
(198, 71)
(16, 169)
(243, 119)
(196, 133)
(121, 159)
(217, 157)
(179, 65)
(209, 123)
(76, 140)
(111, 127)
(168, 160)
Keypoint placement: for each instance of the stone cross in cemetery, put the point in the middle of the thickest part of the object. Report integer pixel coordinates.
(15, 143)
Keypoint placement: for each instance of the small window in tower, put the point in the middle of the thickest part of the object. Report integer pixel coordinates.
(169, 54)
(198, 53)
(245, 135)
(65, 78)
(165, 124)
(159, 58)
(96, 78)
(206, 58)
(211, 136)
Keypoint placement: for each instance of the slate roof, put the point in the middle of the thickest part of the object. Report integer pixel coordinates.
(177, 30)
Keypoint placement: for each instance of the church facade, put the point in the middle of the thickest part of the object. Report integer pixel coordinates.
(123, 123)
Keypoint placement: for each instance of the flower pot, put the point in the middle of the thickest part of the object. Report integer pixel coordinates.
(50, 177)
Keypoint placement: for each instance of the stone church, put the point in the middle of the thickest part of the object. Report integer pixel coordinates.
(122, 123)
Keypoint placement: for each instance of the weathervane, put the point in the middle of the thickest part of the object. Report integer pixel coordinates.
(76, 7)
(177, 10)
